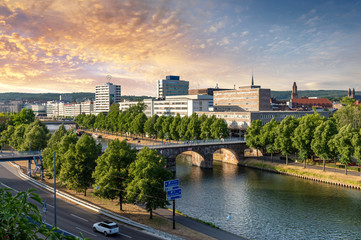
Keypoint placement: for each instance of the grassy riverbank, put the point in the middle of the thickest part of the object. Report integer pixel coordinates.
(313, 174)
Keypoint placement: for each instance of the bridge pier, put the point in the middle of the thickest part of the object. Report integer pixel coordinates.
(29, 168)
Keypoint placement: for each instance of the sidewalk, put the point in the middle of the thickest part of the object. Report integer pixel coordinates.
(197, 226)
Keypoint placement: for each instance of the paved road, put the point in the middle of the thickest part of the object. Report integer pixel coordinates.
(70, 217)
(198, 226)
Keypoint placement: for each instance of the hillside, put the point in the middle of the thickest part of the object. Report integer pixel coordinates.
(43, 97)
(330, 94)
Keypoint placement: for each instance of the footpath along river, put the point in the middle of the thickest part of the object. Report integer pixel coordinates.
(265, 205)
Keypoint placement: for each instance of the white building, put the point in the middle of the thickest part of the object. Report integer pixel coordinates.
(184, 105)
(54, 109)
(105, 96)
(87, 107)
(171, 86)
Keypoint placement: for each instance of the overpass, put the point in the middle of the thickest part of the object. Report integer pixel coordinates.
(201, 151)
(25, 156)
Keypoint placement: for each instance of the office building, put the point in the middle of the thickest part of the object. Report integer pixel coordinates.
(105, 96)
(249, 98)
(171, 86)
(184, 105)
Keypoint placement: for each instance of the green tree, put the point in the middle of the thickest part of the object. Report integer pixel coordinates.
(79, 164)
(349, 114)
(182, 128)
(206, 127)
(219, 129)
(100, 122)
(303, 135)
(138, 123)
(342, 144)
(268, 136)
(112, 118)
(111, 171)
(347, 101)
(284, 137)
(15, 214)
(253, 137)
(25, 116)
(149, 125)
(174, 127)
(17, 138)
(166, 124)
(194, 127)
(7, 134)
(321, 138)
(36, 136)
(158, 127)
(52, 146)
(88, 121)
(148, 174)
(356, 143)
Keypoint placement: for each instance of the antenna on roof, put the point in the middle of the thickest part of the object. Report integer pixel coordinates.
(108, 77)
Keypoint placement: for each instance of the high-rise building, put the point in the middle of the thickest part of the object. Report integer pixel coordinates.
(171, 86)
(105, 96)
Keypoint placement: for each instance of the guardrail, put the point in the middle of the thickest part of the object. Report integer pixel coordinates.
(98, 209)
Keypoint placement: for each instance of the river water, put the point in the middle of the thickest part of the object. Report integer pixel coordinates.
(265, 205)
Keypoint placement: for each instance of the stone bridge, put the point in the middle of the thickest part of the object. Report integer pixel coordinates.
(202, 152)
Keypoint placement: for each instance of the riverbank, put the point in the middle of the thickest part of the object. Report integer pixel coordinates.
(329, 176)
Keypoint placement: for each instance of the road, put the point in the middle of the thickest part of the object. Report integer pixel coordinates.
(70, 217)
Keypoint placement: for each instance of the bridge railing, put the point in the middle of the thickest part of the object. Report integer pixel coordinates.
(189, 143)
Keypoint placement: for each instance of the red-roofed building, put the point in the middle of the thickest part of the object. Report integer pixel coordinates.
(308, 103)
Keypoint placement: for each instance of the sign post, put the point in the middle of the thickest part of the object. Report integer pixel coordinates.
(173, 192)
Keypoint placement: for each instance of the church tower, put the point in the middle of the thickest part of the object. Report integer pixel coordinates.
(294, 93)
(252, 80)
(349, 94)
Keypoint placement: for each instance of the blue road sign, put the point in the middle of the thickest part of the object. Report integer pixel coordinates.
(174, 194)
(171, 184)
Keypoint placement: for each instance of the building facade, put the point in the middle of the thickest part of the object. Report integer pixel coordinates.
(249, 98)
(171, 86)
(238, 122)
(105, 96)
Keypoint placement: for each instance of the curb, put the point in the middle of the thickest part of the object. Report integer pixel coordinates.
(97, 209)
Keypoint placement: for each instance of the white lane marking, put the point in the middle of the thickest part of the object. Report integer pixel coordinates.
(124, 235)
(79, 217)
(86, 231)
(9, 187)
(48, 205)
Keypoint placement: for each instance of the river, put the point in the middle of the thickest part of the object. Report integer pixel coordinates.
(265, 205)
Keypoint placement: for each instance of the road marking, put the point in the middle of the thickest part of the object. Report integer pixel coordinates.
(124, 235)
(86, 231)
(79, 217)
(48, 205)
(9, 187)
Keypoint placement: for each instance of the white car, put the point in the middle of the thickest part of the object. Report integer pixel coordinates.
(106, 227)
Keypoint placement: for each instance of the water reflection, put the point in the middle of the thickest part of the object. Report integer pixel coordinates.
(266, 205)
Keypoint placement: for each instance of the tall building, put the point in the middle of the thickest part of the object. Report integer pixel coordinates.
(171, 86)
(294, 93)
(105, 96)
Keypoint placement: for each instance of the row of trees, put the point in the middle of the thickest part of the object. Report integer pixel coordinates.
(309, 136)
(120, 172)
(23, 132)
(134, 121)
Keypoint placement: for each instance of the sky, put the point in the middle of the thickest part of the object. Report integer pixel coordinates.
(72, 45)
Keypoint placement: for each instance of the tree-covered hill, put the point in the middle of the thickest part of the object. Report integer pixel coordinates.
(330, 94)
(43, 97)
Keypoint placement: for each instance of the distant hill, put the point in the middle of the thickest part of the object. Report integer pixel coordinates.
(43, 97)
(330, 94)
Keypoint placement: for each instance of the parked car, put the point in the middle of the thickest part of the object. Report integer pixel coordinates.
(106, 227)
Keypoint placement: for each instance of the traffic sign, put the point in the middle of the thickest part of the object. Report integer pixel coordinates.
(174, 194)
(171, 185)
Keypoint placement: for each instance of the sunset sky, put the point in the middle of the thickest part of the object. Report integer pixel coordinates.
(71, 46)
